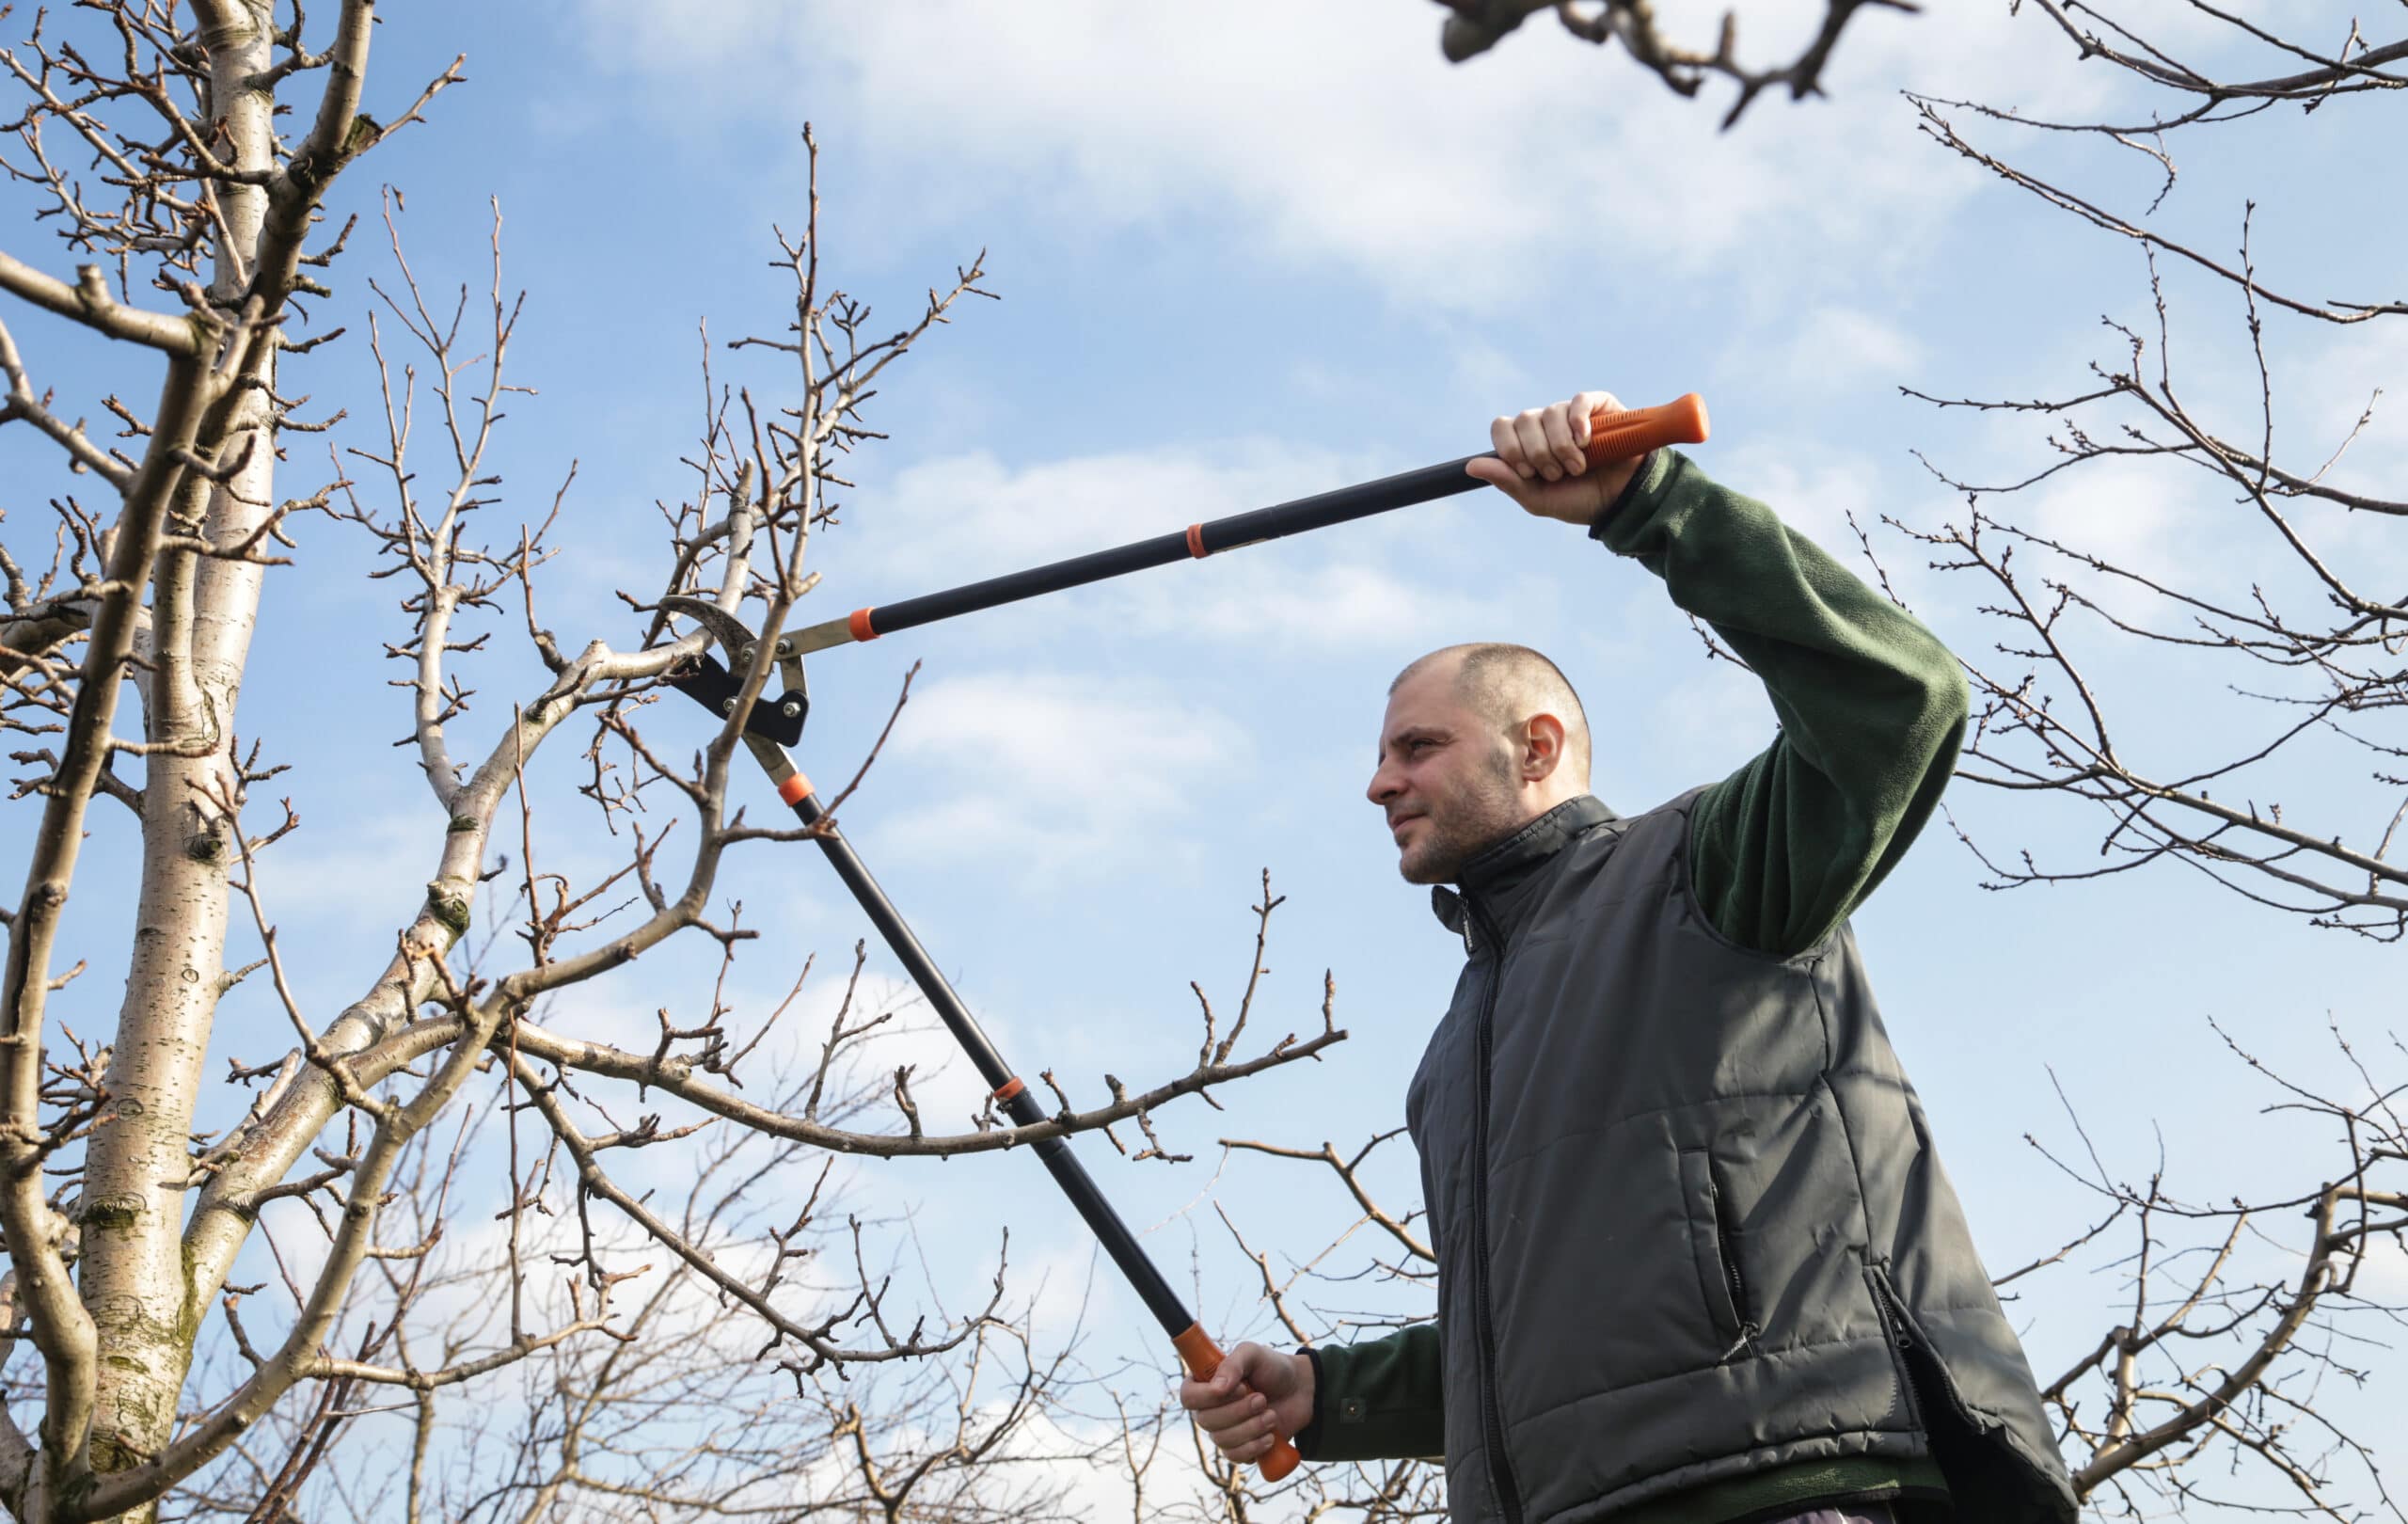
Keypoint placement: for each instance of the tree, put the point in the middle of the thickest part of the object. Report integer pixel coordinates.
(2283, 647)
(666, 1410)
(2311, 649)
(201, 227)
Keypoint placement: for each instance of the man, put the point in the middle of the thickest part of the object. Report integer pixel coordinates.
(1697, 1258)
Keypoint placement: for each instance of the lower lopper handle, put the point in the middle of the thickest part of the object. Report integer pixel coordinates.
(1202, 1357)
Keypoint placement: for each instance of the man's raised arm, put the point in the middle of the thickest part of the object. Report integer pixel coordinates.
(1872, 707)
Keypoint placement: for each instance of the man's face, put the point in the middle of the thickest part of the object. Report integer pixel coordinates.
(1448, 781)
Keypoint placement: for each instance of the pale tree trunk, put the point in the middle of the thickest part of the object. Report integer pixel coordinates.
(203, 610)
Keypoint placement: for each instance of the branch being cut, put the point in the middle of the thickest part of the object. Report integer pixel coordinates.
(1476, 25)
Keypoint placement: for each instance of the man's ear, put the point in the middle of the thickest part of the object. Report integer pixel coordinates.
(1542, 747)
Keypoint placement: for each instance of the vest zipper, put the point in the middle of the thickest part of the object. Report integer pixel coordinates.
(1500, 1470)
(1731, 1268)
(1892, 1308)
(1747, 1329)
(1894, 1327)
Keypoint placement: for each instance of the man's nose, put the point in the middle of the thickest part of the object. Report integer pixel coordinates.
(1384, 788)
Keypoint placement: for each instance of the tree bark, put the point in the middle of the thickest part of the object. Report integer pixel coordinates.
(203, 613)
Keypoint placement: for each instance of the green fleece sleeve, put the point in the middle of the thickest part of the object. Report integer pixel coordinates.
(1380, 1400)
(1872, 709)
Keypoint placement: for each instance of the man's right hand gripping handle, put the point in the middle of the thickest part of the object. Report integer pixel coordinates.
(1251, 1402)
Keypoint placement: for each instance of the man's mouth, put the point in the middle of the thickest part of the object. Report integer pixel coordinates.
(1398, 822)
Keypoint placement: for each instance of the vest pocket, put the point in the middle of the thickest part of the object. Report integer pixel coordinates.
(1976, 1452)
(1718, 1280)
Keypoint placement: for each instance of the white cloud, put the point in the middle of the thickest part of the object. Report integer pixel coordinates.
(1047, 768)
(969, 516)
(1813, 488)
(1279, 603)
(2383, 1276)
(2127, 513)
(1832, 345)
(1484, 370)
(2361, 370)
(1816, 490)
(961, 517)
(2322, 390)
(1703, 727)
(367, 873)
(1336, 132)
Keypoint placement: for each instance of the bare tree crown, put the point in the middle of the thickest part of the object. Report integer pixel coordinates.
(194, 216)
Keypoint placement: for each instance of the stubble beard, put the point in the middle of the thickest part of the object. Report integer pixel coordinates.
(1486, 813)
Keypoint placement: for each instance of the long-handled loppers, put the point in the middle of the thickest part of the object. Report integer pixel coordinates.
(774, 724)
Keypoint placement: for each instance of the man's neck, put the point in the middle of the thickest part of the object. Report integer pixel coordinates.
(1503, 856)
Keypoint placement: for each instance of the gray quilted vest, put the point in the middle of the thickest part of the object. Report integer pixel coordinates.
(1688, 1220)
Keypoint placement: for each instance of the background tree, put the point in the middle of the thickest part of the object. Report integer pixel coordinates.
(156, 142)
(2182, 689)
(2304, 620)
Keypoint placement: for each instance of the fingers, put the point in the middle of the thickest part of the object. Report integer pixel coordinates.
(1549, 443)
(1563, 450)
(1239, 1419)
(1584, 409)
(1216, 1407)
(1520, 442)
(1226, 1392)
(1250, 1442)
(1530, 433)
(1497, 474)
(1571, 499)
(1587, 405)
(1240, 1416)
(1542, 460)
(1508, 448)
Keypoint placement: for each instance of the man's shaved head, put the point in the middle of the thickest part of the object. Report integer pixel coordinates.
(1478, 741)
(1506, 685)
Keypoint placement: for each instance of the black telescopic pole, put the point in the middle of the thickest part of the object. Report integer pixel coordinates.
(1196, 1348)
(1192, 544)
(1613, 435)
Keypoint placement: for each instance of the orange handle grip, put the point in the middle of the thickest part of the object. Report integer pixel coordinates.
(1622, 435)
(1202, 1357)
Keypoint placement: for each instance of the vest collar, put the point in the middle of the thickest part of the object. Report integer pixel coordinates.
(1498, 879)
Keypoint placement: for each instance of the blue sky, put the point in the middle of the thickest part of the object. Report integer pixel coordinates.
(1243, 259)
